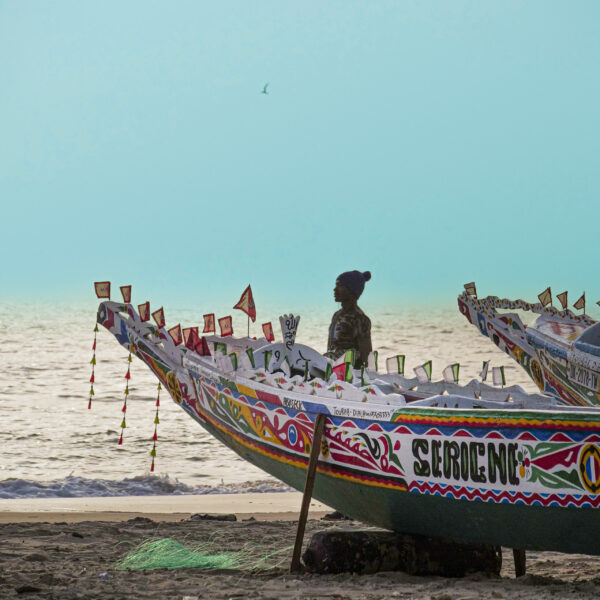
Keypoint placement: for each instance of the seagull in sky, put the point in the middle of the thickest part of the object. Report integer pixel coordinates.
(264, 90)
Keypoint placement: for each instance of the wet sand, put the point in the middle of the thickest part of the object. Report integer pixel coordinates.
(72, 554)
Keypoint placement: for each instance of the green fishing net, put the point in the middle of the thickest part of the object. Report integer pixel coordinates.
(168, 553)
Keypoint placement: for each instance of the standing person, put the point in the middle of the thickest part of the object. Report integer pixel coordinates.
(350, 328)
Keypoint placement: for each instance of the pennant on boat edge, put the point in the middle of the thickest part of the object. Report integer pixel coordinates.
(268, 331)
(159, 317)
(580, 304)
(220, 348)
(246, 360)
(190, 337)
(471, 289)
(144, 311)
(563, 299)
(226, 326)
(484, 370)
(395, 364)
(175, 333)
(328, 371)
(498, 376)
(102, 289)
(267, 356)
(209, 323)
(372, 360)
(450, 373)
(246, 304)
(423, 372)
(126, 293)
(545, 296)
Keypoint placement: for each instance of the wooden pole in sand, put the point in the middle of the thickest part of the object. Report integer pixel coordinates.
(520, 564)
(311, 471)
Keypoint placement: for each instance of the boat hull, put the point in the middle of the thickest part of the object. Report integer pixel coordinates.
(519, 478)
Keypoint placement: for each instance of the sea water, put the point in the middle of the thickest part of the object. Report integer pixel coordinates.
(52, 445)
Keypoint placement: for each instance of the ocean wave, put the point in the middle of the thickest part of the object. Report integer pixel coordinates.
(142, 485)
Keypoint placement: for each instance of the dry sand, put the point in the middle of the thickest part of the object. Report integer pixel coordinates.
(70, 556)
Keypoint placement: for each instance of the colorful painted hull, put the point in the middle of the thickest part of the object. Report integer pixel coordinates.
(548, 351)
(518, 478)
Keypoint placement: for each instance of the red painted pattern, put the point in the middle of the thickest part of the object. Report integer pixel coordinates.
(495, 496)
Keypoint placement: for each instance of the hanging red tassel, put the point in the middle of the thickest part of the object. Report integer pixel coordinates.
(93, 363)
(156, 422)
(124, 408)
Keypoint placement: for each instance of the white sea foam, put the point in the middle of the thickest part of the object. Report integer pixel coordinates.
(142, 485)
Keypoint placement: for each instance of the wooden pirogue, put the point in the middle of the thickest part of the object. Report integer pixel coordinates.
(469, 463)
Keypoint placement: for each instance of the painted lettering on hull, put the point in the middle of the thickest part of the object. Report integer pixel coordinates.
(466, 461)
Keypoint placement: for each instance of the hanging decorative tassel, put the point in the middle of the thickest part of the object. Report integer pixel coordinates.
(93, 363)
(124, 409)
(156, 422)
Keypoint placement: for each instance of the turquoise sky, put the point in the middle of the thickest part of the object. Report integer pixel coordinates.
(433, 143)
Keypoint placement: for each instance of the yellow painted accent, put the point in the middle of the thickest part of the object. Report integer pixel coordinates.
(242, 389)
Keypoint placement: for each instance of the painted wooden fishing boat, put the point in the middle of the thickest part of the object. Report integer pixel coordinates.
(560, 351)
(458, 463)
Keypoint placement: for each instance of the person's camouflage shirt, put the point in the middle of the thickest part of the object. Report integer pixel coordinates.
(350, 329)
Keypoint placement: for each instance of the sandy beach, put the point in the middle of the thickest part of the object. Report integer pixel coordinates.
(69, 548)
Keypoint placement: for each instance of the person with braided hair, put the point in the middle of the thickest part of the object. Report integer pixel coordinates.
(350, 328)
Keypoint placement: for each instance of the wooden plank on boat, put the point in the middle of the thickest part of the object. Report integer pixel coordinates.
(296, 565)
(339, 551)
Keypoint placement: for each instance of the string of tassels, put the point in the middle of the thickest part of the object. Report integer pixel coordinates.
(127, 378)
(93, 363)
(155, 436)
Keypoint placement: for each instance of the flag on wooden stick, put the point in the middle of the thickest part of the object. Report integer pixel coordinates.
(226, 326)
(498, 376)
(190, 337)
(126, 293)
(159, 317)
(102, 289)
(484, 370)
(563, 299)
(209, 323)
(246, 304)
(471, 289)
(268, 331)
(372, 360)
(450, 373)
(546, 296)
(423, 372)
(395, 364)
(580, 304)
(144, 310)
(175, 333)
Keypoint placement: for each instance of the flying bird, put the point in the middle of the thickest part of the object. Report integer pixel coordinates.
(264, 90)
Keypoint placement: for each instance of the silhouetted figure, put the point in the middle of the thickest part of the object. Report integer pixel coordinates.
(350, 328)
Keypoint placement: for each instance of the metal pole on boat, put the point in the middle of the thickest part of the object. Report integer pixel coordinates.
(311, 471)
